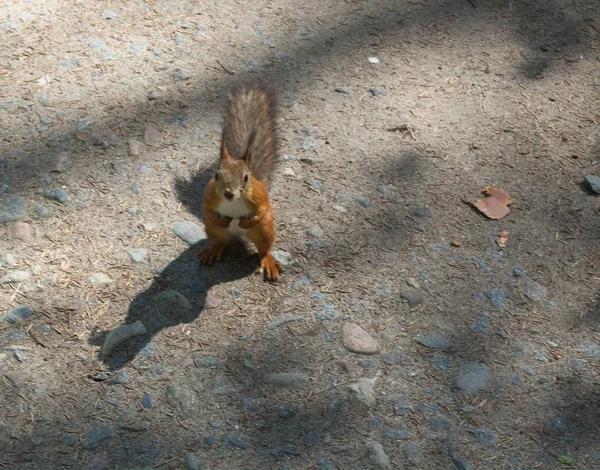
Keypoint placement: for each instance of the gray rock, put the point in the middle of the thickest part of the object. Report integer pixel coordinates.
(341, 90)
(147, 401)
(326, 464)
(412, 453)
(458, 461)
(152, 136)
(357, 340)
(284, 320)
(401, 406)
(440, 361)
(534, 291)
(481, 325)
(189, 232)
(413, 297)
(99, 279)
(20, 231)
(134, 426)
(377, 92)
(97, 434)
(441, 423)
(364, 389)
(395, 434)
(42, 211)
(285, 451)
(316, 232)
(251, 404)
(234, 440)
(12, 208)
(286, 410)
(472, 377)
(7, 260)
(497, 298)
(14, 277)
(362, 201)
(191, 461)
(283, 257)
(182, 399)
(222, 385)
(120, 334)
(593, 183)
(18, 377)
(288, 380)
(138, 255)
(440, 342)
(378, 456)
(590, 349)
(18, 314)
(209, 362)
(57, 195)
(121, 377)
(487, 437)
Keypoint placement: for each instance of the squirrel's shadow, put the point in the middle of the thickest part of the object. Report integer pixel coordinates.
(178, 293)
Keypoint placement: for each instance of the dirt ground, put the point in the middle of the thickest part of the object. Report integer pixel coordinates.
(394, 116)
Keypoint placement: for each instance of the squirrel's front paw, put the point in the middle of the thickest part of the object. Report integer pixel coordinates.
(270, 268)
(208, 256)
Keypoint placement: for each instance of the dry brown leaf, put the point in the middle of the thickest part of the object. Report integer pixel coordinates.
(455, 243)
(502, 239)
(495, 206)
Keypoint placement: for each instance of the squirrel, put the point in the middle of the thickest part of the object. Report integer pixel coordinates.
(236, 199)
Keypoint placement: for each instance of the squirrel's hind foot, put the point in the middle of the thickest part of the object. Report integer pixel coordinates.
(209, 255)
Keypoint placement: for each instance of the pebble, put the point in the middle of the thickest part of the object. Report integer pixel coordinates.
(18, 314)
(18, 377)
(534, 291)
(313, 244)
(284, 320)
(138, 255)
(147, 401)
(287, 380)
(497, 298)
(440, 342)
(412, 453)
(251, 404)
(341, 209)
(57, 195)
(233, 439)
(373, 60)
(183, 399)
(341, 90)
(285, 451)
(472, 377)
(364, 389)
(121, 377)
(311, 439)
(487, 437)
(120, 334)
(287, 171)
(377, 92)
(83, 124)
(357, 340)
(316, 232)
(12, 208)
(209, 362)
(378, 456)
(97, 434)
(401, 406)
(211, 302)
(458, 462)
(441, 423)
(481, 325)
(393, 358)
(593, 183)
(362, 201)
(42, 211)
(20, 355)
(20, 231)
(134, 147)
(7, 260)
(15, 277)
(152, 136)
(222, 385)
(283, 257)
(326, 464)
(413, 297)
(395, 434)
(99, 279)
(421, 212)
(134, 426)
(189, 232)
(156, 371)
(590, 349)
(286, 410)
(191, 461)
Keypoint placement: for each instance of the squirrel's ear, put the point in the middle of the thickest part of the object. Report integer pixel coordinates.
(248, 153)
(224, 155)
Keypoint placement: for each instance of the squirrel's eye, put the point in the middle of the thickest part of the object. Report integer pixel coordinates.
(216, 176)
(245, 178)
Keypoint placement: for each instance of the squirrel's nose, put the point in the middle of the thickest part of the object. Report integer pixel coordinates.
(228, 195)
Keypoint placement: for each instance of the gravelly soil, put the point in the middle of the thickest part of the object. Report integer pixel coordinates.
(395, 115)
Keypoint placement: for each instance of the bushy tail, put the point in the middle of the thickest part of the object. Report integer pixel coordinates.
(251, 127)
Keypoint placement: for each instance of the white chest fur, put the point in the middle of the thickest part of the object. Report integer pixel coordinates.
(235, 209)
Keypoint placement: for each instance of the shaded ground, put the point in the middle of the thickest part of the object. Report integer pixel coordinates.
(380, 156)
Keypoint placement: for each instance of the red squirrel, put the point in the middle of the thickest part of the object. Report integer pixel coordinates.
(236, 200)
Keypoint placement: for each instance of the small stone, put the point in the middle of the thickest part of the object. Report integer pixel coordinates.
(18, 377)
(99, 279)
(209, 362)
(138, 255)
(189, 232)
(441, 423)
(377, 92)
(412, 453)
(120, 334)
(440, 342)
(518, 271)
(284, 320)
(316, 232)
(373, 60)
(412, 282)
(325, 464)
(233, 439)
(285, 451)
(283, 257)
(20, 231)
(556, 426)
(183, 399)
(152, 136)
(313, 244)
(364, 389)
(15, 277)
(311, 439)
(421, 212)
(134, 426)
(395, 434)
(362, 201)
(593, 183)
(222, 385)
(413, 297)
(12, 208)
(42, 211)
(459, 462)
(497, 298)
(286, 410)
(20, 355)
(288, 380)
(440, 361)
(7, 260)
(121, 377)
(472, 377)
(18, 314)
(97, 434)
(61, 162)
(357, 340)
(393, 358)
(481, 325)
(378, 456)
(487, 437)
(251, 404)
(211, 302)
(341, 209)
(171, 302)
(534, 291)
(134, 147)
(341, 90)
(401, 406)
(287, 171)
(590, 349)
(147, 401)
(70, 439)
(57, 195)
(191, 461)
